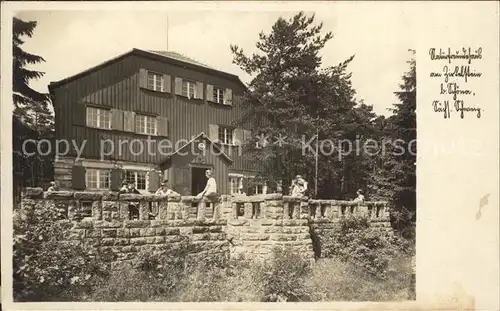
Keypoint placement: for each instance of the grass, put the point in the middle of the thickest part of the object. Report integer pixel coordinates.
(283, 278)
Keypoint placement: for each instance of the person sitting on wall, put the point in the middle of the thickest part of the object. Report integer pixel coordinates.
(124, 188)
(360, 198)
(53, 186)
(299, 186)
(210, 191)
(132, 188)
(165, 190)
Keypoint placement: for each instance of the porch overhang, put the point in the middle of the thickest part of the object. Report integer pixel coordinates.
(166, 161)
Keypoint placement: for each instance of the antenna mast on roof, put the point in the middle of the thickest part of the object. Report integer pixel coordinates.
(167, 32)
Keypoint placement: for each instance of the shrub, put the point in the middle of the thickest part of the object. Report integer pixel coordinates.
(47, 267)
(357, 242)
(282, 276)
(149, 276)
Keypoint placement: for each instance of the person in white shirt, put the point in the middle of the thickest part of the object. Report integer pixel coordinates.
(210, 190)
(53, 186)
(299, 186)
(360, 198)
(164, 189)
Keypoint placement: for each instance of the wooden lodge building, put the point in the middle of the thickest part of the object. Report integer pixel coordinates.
(186, 110)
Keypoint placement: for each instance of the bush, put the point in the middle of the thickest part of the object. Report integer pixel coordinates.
(150, 276)
(358, 243)
(281, 278)
(45, 267)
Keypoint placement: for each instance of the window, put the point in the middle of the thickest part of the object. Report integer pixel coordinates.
(218, 95)
(138, 178)
(226, 135)
(188, 89)
(97, 178)
(97, 117)
(145, 124)
(235, 184)
(155, 81)
(259, 189)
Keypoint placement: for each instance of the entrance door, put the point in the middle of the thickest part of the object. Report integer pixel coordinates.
(182, 182)
(198, 179)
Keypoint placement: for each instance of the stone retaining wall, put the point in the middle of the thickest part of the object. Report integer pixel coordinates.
(231, 226)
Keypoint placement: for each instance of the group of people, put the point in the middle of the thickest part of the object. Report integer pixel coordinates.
(297, 188)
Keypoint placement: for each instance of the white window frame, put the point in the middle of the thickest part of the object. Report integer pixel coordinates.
(156, 76)
(189, 84)
(239, 185)
(100, 116)
(218, 95)
(136, 178)
(146, 117)
(256, 187)
(226, 130)
(97, 172)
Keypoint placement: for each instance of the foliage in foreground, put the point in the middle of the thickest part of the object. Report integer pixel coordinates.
(286, 277)
(356, 242)
(361, 264)
(47, 268)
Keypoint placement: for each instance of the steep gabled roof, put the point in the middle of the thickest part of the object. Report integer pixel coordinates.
(172, 57)
(203, 136)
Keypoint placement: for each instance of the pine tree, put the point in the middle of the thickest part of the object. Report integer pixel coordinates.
(395, 176)
(292, 96)
(32, 118)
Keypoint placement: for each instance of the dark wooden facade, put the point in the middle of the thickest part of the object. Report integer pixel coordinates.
(119, 84)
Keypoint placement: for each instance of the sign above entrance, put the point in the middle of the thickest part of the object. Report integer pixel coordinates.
(199, 159)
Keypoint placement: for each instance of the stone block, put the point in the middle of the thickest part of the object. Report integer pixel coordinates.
(136, 223)
(160, 223)
(97, 210)
(135, 232)
(124, 210)
(130, 197)
(238, 222)
(150, 239)
(283, 237)
(273, 197)
(123, 232)
(115, 216)
(174, 238)
(163, 211)
(58, 195)
(121, 242)
(138, 241)
(111, 206)
(85, 224)
(129, 248)
(110, 196)
(88, 196)
(108, 233)
(106, 216)
(147, 231)
(256, 237)
(92, 233)
(107, 224)
(144, 209)
(107, 241)
(33, 193)
(159, 239)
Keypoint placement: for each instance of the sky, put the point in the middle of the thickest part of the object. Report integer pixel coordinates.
(72, 41)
